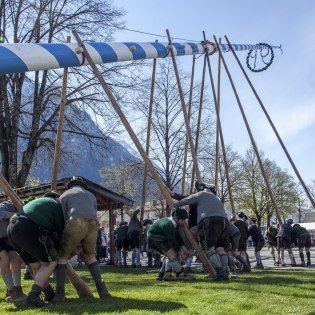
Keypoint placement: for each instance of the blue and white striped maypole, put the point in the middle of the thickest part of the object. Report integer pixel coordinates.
(23, 57)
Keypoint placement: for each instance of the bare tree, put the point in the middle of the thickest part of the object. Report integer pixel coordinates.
(29, 102)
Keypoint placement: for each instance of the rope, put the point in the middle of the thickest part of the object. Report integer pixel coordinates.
(152, 34)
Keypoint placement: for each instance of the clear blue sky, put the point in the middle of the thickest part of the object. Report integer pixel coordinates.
(287, 88)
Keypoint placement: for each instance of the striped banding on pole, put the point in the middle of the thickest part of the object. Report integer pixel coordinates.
(23, 57)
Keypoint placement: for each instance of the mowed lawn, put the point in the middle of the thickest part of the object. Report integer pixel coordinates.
(137, 292)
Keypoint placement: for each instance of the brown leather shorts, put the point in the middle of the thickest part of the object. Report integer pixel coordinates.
(79, 231)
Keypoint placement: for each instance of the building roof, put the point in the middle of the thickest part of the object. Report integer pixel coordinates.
(106, 199)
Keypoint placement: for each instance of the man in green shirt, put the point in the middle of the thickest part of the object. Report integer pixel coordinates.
(35, 233)
(163, 236)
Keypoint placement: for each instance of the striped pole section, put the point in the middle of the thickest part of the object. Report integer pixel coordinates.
(23, 57)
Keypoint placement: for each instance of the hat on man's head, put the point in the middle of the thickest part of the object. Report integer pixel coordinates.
(180, 213)
(253, 219)
(290, 221)
(202, 186)
(52, 194)
(241, 214)
(76, 181)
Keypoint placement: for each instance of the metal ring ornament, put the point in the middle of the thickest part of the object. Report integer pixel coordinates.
(268, 64)
(214, 47)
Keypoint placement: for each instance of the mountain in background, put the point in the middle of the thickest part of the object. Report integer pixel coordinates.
(81, 157)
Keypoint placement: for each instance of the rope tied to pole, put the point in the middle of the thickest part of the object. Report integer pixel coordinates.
(80, 50)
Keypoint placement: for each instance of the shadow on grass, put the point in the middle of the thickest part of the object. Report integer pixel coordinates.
(113, 304)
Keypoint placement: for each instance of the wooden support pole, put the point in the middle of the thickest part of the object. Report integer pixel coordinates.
(199, 119)
(217, 140)
(9, 191)
(137, 143)
(182, 101)
(147, 148)
(125, 122)
(297, 173)
(189, 114)
(226, 165)
(60, 124)
(77, 282)
(273, 200)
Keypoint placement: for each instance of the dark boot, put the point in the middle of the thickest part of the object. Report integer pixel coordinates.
(246, 267)
(308, 255)
(15, 295)
(49, 293)
(160, 276)
(102, 291)
(220, 274)
(28, 276)
(150, 260)
(60, 295)
(33, 299)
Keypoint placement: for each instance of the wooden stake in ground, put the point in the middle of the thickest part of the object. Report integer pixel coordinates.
(138, 145)
(60, 124)
(77, 282)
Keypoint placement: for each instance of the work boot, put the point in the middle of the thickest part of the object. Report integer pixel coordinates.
(303, 264)
(33, 299)
(308, 255)
(15, 295)
(188, 270)
(28, 276)
(182, 276)
(259, 267)
(102, 291)
(10, 294)
(220, 274)
(160, 276)
(60, 295)
(49, 293)
(168, 276)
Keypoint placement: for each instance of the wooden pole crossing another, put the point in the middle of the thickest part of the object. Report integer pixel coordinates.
(60, 125)
(137, 143)
(273, 200)
(226, 165)
(182, 101)
(297, 173)
(77, 282)
(189, 114)
(125, 122)
(199, 119)
(147, 148)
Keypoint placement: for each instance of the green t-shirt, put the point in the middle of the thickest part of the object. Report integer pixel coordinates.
(164, 229)
(46, 213)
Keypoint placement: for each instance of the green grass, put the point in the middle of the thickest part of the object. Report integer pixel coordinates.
(137, 292)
